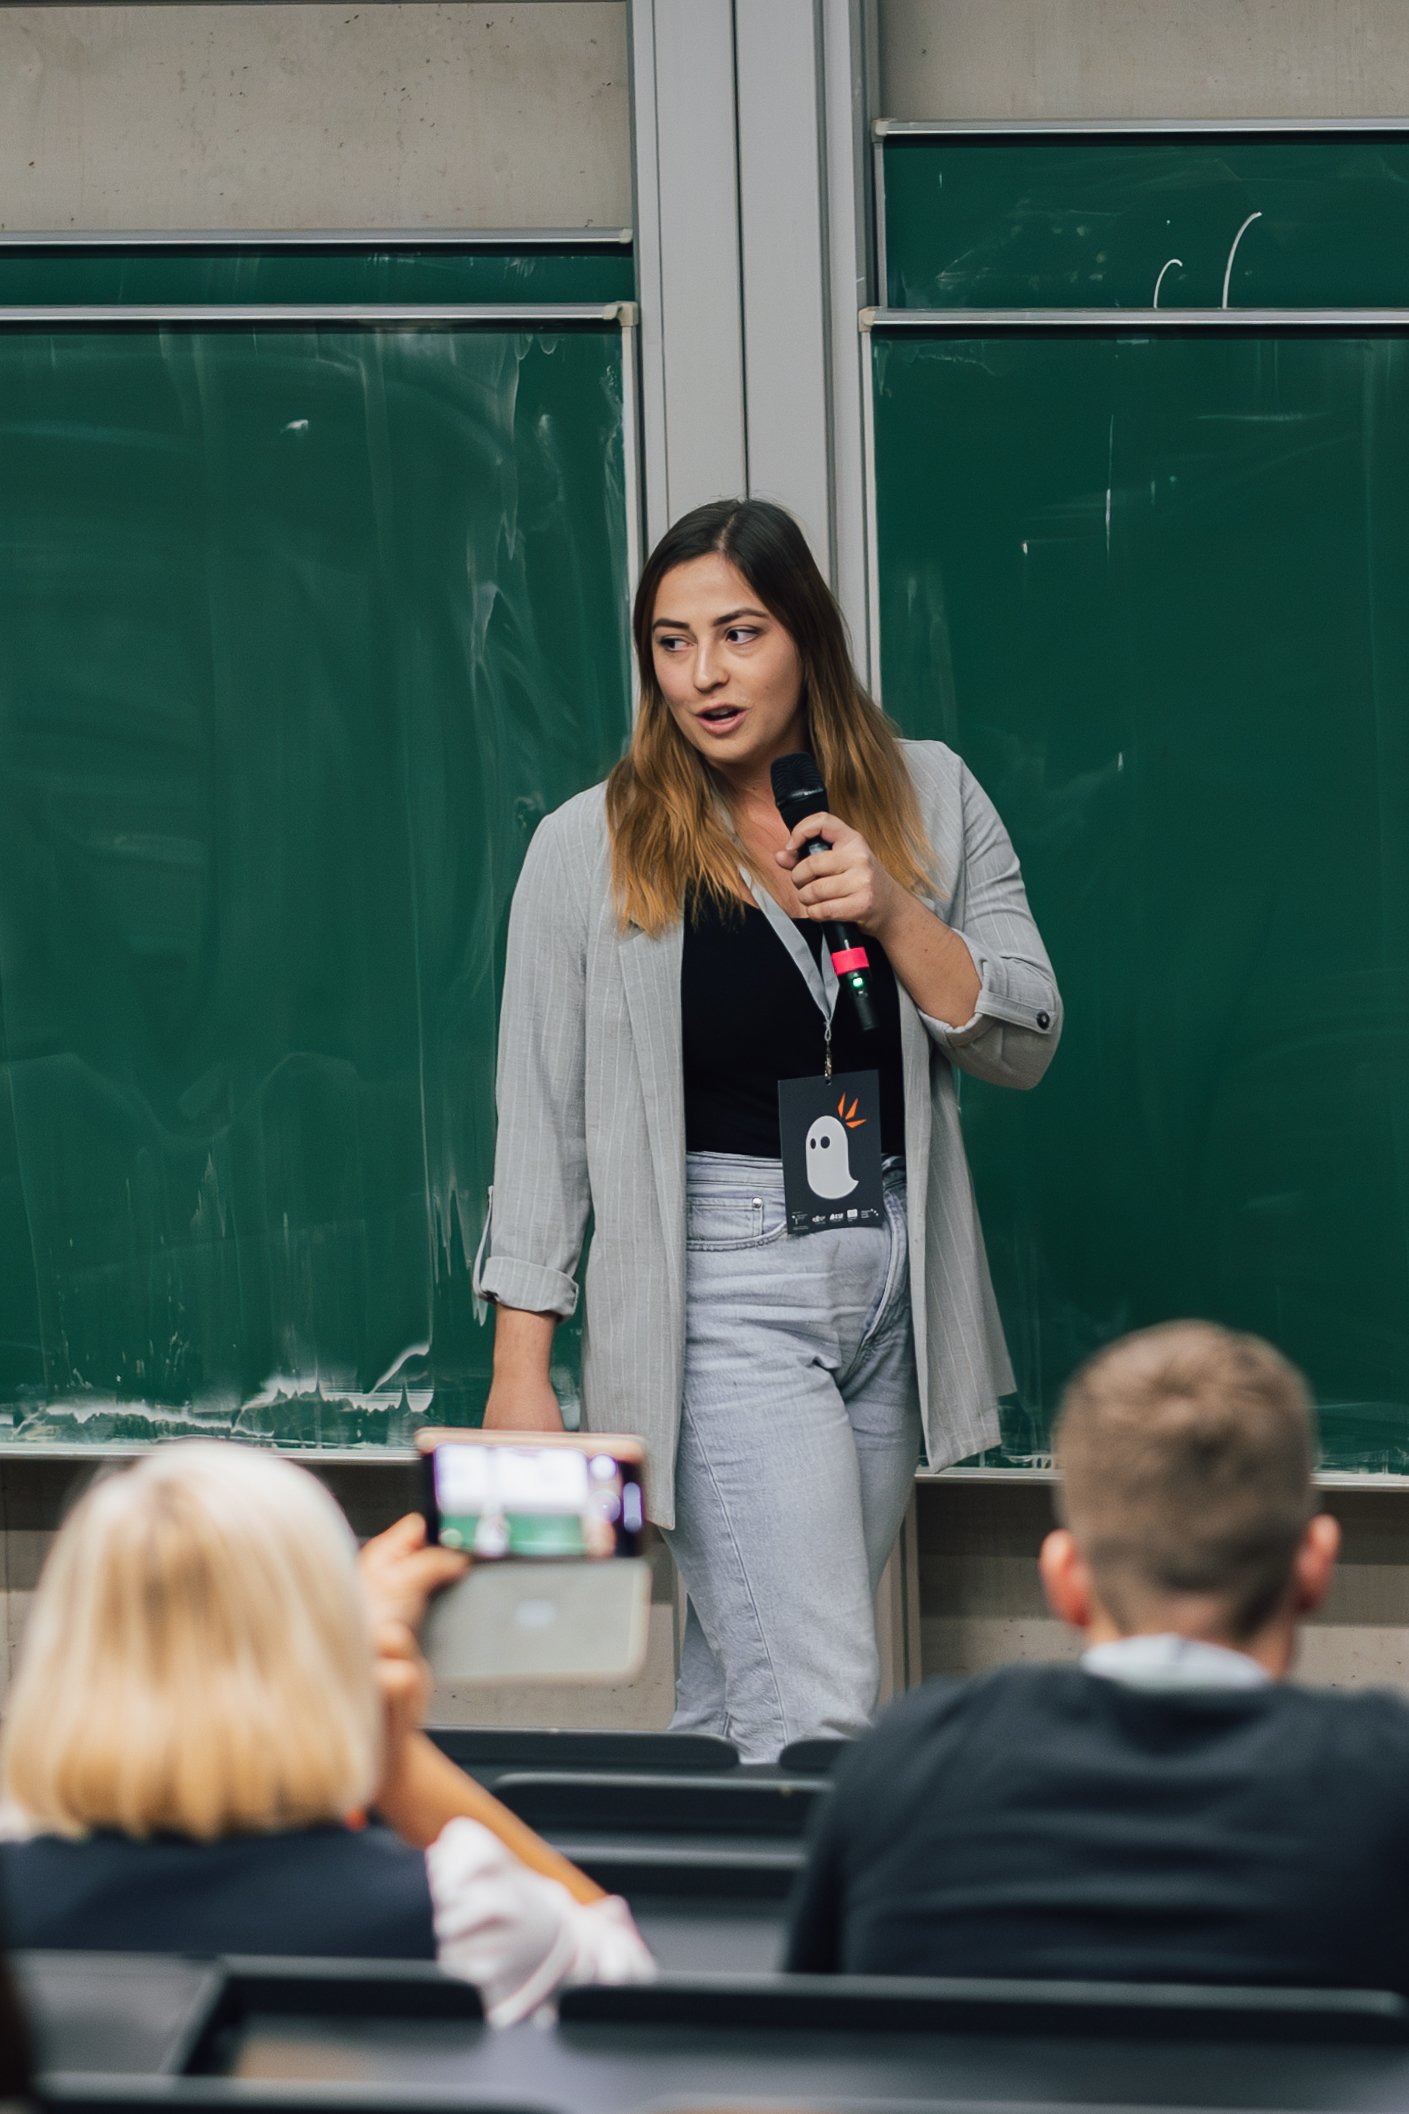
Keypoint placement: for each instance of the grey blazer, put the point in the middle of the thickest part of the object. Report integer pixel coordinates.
(592, 1119)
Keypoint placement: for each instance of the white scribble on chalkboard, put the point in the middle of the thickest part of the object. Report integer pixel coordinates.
(1228, 274)
(1160, 281)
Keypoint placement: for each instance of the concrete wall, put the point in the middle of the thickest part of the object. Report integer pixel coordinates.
(278, 116)
(978, 1600)
(981, 1604)
(1052, 59)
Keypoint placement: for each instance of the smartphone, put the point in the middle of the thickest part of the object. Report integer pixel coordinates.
(555, 1522)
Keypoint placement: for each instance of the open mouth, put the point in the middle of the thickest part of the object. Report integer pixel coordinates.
(721, 719)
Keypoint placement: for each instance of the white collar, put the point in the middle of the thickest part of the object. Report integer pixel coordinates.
(1172, 1663)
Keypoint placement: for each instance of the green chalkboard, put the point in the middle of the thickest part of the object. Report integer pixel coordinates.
(138, 272)
(1092, 219)
(301, 630)
(1152, 588)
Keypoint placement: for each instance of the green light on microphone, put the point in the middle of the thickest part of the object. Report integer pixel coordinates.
(856, 980)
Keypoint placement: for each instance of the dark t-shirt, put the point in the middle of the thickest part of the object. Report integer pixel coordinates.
(748, 1020)
(1043, 1821)
(308, 1891)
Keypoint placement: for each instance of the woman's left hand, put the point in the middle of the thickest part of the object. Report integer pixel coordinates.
(846, 882)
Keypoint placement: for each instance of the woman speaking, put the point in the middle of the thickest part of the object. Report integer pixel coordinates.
(786, 1290)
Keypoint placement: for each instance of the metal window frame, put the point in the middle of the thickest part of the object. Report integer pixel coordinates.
(759, 386)
(1131, 322)
(312, 238)
(783, 240)
(1323, 1479)
(884, 128)
(501, 315)
(689, 276)
(851, 68)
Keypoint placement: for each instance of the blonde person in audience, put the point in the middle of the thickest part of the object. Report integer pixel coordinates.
(1172, 1808)
(213, 1691)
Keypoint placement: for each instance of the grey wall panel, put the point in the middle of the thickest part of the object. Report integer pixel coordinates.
(784, 263)
(288, 116)
(1075, 59)
(692, 355)
(981, 1600)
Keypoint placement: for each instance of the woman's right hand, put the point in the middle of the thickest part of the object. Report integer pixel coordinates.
(523, 1403)
(521, 1396)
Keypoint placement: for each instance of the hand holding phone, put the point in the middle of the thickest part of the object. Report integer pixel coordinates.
(554, 1524)
(402, 1567)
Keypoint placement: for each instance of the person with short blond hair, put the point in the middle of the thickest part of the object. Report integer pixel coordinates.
(1185, 1455)
(213, 1690)
(1172, 1808)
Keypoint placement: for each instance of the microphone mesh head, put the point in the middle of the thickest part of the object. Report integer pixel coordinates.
(797, 787)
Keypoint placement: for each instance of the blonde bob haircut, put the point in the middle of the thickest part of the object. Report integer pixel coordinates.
(663, 800)
(198, 1659)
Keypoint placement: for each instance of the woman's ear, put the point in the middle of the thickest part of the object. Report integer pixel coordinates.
(1066, 1581)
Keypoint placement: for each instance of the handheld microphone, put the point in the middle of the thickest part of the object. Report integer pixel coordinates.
(799, 792)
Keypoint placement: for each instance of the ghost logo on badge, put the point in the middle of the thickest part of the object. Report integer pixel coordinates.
(831, 1152)
(828, 1159)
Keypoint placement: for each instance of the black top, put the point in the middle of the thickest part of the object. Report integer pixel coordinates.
(748, 1020)
(307, 1892)
(1046, 1822)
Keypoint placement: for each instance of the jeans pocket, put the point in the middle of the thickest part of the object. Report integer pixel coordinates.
(715, 1224)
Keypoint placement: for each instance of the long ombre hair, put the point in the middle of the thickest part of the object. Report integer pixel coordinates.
(667, 832)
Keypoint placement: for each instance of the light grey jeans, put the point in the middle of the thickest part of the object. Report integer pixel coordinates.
(799, 1439)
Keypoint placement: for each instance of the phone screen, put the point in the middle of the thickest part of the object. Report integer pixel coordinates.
(534, 1501)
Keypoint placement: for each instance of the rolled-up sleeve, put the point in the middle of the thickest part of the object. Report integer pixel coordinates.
(1013, 1031)
(532, 1241)
(517, 1935)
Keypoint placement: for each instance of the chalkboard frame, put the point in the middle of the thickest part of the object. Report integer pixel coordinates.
(529, 267)
(313, 238)
(624, 315)
(1093, 131)
(1087, 323)
(198, 315)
